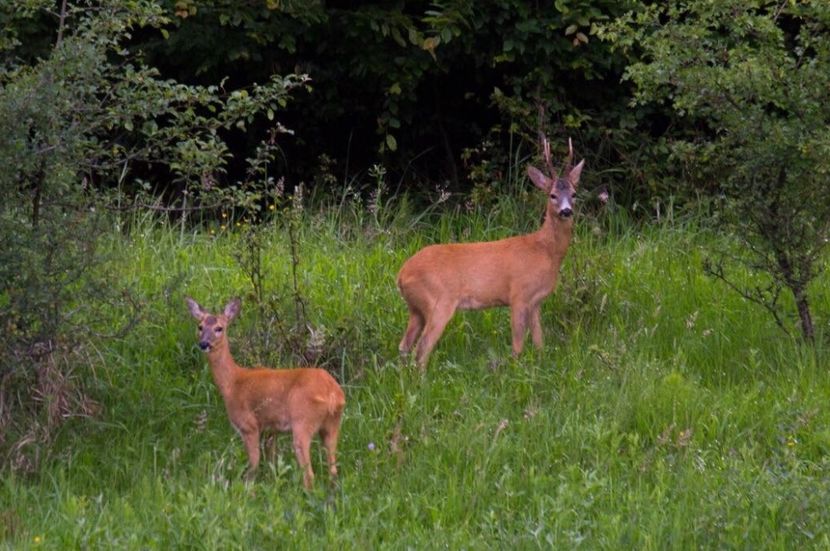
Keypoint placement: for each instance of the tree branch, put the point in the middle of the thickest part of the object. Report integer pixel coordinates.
(758, 297)
(61, 24)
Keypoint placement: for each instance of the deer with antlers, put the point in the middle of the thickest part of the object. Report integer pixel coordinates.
(518, 272)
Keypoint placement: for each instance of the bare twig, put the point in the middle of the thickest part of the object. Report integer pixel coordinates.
(61, 24)
(780, 9)
(767, 298)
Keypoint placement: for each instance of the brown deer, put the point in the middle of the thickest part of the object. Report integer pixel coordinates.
(518, 272)
(303, 401)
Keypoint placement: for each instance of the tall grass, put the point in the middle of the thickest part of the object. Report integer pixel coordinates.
(663, 413)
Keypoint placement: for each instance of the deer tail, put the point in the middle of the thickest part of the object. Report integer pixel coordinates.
(333, 402)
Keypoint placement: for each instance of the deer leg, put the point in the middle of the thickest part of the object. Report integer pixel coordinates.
(270, 447)
(251, 440)
(536, 326)
(519, 316)
(435, 324)
(302, 445)
(413, 329)
(329, 436)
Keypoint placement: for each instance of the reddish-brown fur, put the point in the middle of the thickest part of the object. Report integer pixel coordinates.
(518, 272)
(303, 401)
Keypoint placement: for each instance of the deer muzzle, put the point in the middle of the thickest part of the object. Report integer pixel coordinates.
(565, 206)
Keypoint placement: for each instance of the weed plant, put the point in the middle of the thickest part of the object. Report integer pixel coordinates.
(664, 412)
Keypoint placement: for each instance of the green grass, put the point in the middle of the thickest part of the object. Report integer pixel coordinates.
(663, 413)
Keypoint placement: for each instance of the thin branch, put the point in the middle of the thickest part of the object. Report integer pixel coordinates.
(61, 24)
(780, 9)
(759, 296)
(160, 208)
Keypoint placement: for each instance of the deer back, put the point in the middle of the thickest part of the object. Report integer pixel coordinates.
(490, 273)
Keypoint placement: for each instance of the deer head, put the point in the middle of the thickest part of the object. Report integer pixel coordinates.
(212, 327)
(560, 190)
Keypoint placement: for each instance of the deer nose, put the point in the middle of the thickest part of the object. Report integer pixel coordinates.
(204, 345)
(566, 213)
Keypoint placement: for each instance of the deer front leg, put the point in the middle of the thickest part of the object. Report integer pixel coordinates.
(519, 316)
(250, 438)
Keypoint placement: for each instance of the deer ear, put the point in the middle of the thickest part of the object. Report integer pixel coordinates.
(195, 309)
(573, 176)
(541, 181)
(232, 308)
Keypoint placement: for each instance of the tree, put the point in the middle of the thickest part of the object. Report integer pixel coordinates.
(750, 79)
(78, 125)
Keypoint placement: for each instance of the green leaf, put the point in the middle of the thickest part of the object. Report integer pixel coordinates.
(397, 37)
(391, 142)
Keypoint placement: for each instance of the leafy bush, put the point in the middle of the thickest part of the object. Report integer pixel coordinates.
(80, 125)
(751, 80)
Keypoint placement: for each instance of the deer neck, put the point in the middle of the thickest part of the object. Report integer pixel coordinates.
(556, 232)
(223, 367)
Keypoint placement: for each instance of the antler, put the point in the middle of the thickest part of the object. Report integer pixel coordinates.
(549, 162)
(546, 153)
(570, 158)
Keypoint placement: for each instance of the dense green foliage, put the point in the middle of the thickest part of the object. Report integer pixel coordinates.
(755, 76)
(427, 89)
(663, 413)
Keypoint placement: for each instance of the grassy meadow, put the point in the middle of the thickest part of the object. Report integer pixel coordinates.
(664, 412)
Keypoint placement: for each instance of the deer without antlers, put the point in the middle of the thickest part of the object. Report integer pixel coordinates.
(518, 272)
(303, 401)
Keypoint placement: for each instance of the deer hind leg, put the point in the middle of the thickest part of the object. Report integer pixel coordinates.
(435, 324)
(520, 315)
(328, 434)
(302, 445)
(413, 330)
(536, 326)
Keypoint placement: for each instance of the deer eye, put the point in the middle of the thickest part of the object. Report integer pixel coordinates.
(218, 330)
(200, 328)
(553, 196)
